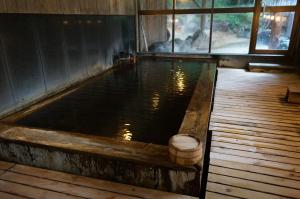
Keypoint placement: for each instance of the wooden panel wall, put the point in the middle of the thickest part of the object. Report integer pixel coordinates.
(2, 6)
(95, 7)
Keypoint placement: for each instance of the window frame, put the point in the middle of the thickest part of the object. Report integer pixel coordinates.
(257, 9)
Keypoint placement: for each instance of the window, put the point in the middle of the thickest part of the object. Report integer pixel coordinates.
(156, 33)
(275, 31)
(192, 33)
(279, 2)
(233, 3)
(231, 33)
(217, 26)
(193, 4)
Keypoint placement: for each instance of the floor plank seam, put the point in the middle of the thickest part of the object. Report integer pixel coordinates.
(6, 170)
(18, 195)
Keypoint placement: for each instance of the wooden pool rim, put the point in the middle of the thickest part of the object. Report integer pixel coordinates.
(75, 152)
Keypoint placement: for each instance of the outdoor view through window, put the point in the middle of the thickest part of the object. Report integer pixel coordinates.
(200, 29)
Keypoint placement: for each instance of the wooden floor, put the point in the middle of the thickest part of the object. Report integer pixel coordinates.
(255, 149)
(19, 181)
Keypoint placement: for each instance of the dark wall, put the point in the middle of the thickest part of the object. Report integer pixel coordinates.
(40, 54)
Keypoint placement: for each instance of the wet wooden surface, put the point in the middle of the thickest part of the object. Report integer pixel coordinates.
(19, 181)
(255, 137)
(103, 146)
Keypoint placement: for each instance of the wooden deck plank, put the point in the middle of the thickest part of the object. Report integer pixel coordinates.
(255, 110)
(257, 139)
(60, 187)
(255, 149)
(31, 192)
(256, 106)
(256, 144)
(253, 124)
(293, 138)
(4, 195)
(212, 195)
(255, 177)
(256, 169)
(258, 122)
(5, 165)
(95, 183)
(287, 163)
(294, 121)
(254, 129)
(252, 185)
(256, 162)
(239, 192)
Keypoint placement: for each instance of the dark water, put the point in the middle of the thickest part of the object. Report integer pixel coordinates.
(144, 103)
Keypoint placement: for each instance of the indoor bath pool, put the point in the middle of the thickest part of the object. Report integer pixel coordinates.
(116, 126)
(145, 102)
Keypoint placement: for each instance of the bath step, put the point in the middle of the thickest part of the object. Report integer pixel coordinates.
(293, 94)
(270, 67)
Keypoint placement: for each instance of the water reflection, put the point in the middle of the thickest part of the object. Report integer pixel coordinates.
(155, 101)
(180, 80)
(125, 132)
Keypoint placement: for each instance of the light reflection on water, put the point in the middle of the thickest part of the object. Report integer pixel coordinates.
(180, 80)
(125, 132)
(155, 101)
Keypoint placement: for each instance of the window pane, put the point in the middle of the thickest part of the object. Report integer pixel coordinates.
(280, 2)
(231, 33)
(193, 4)
(233, 3)
(192, 33)
(156, 4)
(156, 33)
(275, 31)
